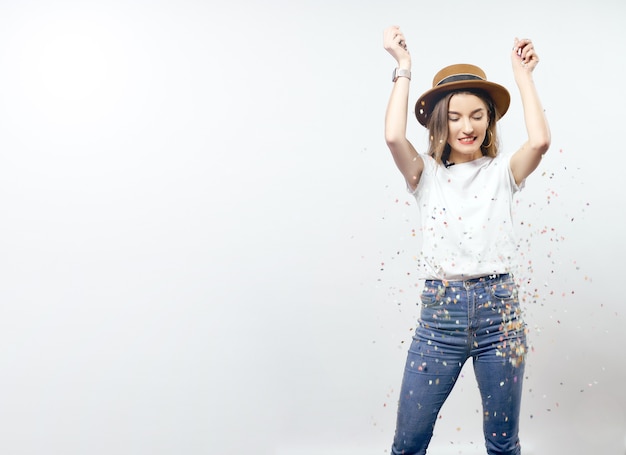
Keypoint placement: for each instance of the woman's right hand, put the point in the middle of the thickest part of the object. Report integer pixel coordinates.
(395, 44)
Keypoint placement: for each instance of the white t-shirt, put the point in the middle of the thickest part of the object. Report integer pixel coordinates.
(466, 218)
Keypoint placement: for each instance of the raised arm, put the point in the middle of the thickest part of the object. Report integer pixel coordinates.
(527, 158)
(408, 161)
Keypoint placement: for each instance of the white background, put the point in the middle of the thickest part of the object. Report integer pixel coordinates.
(205, 246)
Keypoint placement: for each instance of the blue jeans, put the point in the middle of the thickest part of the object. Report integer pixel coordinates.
(478, 318)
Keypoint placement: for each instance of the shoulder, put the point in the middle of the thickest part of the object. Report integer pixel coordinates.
(502, 161)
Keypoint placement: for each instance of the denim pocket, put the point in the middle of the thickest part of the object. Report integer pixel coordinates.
(432, 295)
(505, 291)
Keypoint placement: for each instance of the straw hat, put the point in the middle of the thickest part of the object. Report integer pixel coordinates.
(459, 77)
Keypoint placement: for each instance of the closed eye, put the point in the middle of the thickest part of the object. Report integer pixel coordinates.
(456, 119)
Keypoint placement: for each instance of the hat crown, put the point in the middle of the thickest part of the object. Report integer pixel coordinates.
(459, 69)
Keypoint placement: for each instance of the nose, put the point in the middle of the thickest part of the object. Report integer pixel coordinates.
(468, 128)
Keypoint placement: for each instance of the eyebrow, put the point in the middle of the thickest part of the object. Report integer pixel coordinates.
(471, 113)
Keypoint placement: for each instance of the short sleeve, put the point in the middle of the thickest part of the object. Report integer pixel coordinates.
(514, 186)
(430, 166)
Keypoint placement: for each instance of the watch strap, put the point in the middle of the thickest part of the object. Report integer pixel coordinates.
(400, 72)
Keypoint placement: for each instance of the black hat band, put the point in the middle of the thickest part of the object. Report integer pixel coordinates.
(459, 77)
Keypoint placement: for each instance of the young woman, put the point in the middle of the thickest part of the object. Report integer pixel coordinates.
(464, 190)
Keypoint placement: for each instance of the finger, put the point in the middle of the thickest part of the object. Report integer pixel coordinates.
(520, 44)
(516, 43)
(525, 51)
(394, 29)
(524, 44)
(399, 40)
(529, 54)
(389, 37)
(394, 36)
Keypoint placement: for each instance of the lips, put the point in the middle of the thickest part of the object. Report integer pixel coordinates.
(467, 140)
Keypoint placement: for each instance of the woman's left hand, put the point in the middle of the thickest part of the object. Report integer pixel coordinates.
(524, 55)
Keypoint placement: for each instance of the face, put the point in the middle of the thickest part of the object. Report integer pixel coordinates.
(468, 120)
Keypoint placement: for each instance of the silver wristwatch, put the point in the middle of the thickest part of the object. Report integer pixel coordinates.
(399, 72)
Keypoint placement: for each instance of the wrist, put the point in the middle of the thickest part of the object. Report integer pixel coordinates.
(523, 77)
(404, 64)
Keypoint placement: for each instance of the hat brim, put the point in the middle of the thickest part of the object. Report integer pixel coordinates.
(426, 103)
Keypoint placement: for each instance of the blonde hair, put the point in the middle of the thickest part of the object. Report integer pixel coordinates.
(437, 125)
